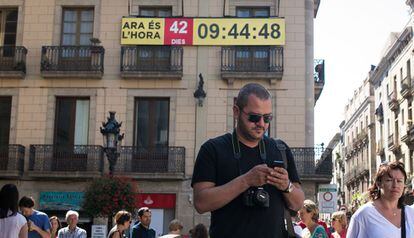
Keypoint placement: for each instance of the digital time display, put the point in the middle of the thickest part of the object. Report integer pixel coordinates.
(203, 31)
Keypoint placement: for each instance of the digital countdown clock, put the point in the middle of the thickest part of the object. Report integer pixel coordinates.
(202, 31)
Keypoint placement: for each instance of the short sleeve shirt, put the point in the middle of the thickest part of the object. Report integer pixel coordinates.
(216, 163)
(10, 226)
(41, 220)
(367, 222)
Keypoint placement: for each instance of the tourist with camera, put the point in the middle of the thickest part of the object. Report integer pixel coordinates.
(246, 179)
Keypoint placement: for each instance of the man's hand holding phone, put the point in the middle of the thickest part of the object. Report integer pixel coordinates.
(279, 177)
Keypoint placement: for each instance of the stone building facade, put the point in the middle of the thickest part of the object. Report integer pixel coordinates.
(57, 87)
(359, 141)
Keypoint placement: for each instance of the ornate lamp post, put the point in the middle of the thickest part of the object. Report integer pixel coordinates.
(112, 139)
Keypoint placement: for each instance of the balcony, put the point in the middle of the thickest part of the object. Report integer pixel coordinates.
(380, 148)
(362, 170)
(350, 176)
(160, 62)
(11, 161)
(406, 87)
(79, 161)
(13, 61)
(72, 62)
(410, 135)
(319, 77)
(151, 163)
(393, 144)
(379, 113)
(348, 151)
(244, 62)
(308, 168)
(393, 101)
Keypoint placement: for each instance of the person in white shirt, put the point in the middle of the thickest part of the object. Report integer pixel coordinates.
(12, 223)
(382, 216)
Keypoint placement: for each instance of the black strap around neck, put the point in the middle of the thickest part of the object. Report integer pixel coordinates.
(236, 147)
(403, 235)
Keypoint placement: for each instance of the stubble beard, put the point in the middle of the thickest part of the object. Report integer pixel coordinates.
(248, 133)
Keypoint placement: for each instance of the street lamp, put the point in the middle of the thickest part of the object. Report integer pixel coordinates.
(200, 94)
(112, 139)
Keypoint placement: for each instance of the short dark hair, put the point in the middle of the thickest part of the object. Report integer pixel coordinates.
(9, 195)
(142, 210)
(121, 217)
(248, 89)
(26, 202)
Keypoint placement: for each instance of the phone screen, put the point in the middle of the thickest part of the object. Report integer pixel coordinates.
(277, 163)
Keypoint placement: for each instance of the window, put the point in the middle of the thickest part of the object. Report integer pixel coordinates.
(155, 11)
(252, 58)
(71, 134)
(151, 122)
(5, 115)
(154, 57)
(8, 30)
(253, 12)
(77, 26)
(72, 121)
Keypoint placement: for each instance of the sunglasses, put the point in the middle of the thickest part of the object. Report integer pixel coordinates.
(255, 118)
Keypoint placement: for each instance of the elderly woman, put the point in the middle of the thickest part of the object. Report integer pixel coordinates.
(339, 223)
(309, 215)
(385, 215)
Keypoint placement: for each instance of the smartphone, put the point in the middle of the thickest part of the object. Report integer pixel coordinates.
(276, 163)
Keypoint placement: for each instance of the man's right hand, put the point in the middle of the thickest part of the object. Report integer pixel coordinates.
(257, 176)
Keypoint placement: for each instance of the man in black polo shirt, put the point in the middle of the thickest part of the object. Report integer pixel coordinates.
(236, 179)
(142, 229)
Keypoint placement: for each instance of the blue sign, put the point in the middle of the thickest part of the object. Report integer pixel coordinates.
(61, 200)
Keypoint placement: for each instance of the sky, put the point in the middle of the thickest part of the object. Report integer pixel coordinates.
(350, 35)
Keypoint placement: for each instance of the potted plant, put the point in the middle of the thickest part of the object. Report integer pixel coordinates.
(95, 48)
(105, 196)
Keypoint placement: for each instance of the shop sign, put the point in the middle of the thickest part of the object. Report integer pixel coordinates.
(202, 31)
(61, 200)
(156, 200)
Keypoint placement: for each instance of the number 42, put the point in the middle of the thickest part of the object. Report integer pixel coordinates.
(179, 27)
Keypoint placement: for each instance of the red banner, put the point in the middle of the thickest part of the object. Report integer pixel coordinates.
(178, 31)
(155, 200)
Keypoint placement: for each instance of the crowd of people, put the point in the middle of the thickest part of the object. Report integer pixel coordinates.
(19, 219)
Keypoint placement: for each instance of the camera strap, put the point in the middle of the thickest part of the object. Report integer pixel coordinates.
(236, 148)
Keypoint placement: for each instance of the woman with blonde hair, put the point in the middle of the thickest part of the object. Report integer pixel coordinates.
(339, 223)
(123, 221)
(309, 215)
(385, 215)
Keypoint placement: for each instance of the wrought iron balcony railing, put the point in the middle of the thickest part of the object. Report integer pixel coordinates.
(73, 61)
(307, 164)
(77, 158)
(406, 86)
(151, 61)
(13, 61)
(151, 160)
(252, 59)
(11, 159)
